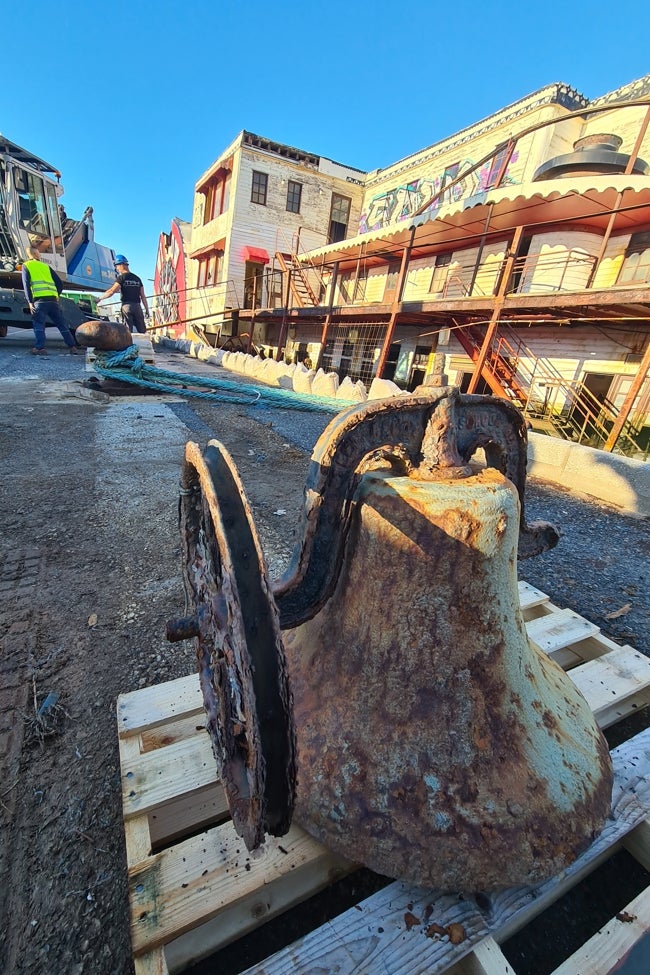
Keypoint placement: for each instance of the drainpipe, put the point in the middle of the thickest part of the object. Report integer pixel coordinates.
(252, 319)
(390, 331)
(496, 313)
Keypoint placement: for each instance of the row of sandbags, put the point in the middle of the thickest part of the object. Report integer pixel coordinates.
(309, 382)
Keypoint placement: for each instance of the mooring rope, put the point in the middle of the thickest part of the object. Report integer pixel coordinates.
(127, 366)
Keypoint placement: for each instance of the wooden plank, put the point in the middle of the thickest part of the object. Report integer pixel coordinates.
(504, 912)
(187, 815)
(638, 843)
(136, 831)
(155, 705)
(615, 684)
(401, 930)
(485, 959)
(177, 729)
(174, 890)
(557, 630)
(242, 917)
(152, 779)
(529, 596)
(152, 964)
(623, 945)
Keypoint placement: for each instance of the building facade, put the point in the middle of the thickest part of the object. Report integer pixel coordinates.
(519, 249)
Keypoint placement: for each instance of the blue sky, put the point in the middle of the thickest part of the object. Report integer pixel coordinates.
(133, 101)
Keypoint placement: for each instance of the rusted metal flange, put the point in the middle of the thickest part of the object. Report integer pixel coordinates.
(241, 660)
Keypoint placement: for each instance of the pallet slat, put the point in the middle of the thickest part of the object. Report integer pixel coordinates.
(174, 890)
(153, 706)
(556, 631)
(615, 684)
(530, 597)
(623, 945)
(150, 779)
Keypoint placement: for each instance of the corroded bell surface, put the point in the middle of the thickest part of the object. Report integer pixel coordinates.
(434, 742)
(107, 336)
(383, 693)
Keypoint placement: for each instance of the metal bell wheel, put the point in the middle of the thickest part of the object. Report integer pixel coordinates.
(241, 661)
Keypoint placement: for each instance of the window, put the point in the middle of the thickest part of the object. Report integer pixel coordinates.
(209, 269)
(339, 216)
(258, 190)
(440, 274)
(55, 218)
(636, 265)
(294, 193)
(31, 203)
(217, 197)
(497, 166)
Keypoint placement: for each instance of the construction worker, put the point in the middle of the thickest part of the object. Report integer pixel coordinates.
(42, 287)
(132, 292)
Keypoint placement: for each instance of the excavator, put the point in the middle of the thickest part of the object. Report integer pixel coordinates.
(30, 213)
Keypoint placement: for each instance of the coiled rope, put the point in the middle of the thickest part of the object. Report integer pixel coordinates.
(127, 366)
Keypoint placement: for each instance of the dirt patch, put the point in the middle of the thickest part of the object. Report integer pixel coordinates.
(91, 557)
(92, 573)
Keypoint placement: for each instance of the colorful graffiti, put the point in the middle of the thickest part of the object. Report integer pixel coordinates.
(169, 280)
(401, 202)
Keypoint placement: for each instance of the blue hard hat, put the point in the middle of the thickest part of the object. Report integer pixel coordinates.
(119, 259)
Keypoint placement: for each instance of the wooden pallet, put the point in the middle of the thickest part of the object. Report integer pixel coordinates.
(194, 888)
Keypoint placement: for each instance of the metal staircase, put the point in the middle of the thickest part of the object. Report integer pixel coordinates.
(573, 412)
(304, 280)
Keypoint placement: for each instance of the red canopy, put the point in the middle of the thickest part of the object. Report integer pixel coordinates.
(256, 254)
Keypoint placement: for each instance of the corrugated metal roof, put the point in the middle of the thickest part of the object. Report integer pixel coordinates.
(589, 199)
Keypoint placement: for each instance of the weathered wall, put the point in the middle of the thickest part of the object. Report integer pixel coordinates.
(621, 481)
(567, 352)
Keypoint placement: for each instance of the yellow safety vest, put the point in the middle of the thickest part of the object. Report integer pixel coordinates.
(41, 280)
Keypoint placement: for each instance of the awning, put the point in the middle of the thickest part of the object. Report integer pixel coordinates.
(256, 254)
(215, 247)
(588, 200)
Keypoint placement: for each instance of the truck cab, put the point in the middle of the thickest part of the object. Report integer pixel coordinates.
(31, 214)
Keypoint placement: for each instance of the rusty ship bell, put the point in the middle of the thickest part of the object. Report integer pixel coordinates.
(384, 693)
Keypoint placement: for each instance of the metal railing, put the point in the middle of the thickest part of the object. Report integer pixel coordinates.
(572, 408)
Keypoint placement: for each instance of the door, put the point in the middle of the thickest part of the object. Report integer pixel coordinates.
(392, 276)
(596, 387)
(419, 366)
(253, 279)
(391, 360)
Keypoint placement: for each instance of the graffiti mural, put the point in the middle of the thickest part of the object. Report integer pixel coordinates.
(401, 202)
(169, 279)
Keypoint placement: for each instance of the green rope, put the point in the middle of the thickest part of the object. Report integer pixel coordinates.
(127, 366)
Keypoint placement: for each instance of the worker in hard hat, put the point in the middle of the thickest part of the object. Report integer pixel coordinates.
(42, 287)
(132, 292)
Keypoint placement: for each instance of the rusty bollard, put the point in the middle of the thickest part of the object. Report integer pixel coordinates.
(404, 712)
(106, 336)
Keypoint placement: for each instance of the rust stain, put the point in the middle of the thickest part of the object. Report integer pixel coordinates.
(411, 921)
